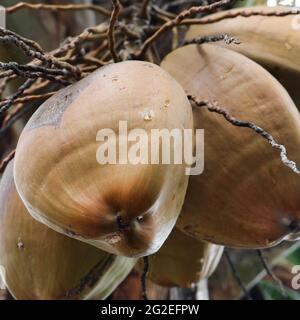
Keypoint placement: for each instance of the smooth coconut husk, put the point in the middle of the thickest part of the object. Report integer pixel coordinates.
(126, 209)
(246, 197)
(182, 261)
(38, 263)
(273, 42)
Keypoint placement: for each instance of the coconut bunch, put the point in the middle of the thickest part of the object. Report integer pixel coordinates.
(154, 69)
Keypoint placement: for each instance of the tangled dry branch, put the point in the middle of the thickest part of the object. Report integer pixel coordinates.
(57, 7)
(207, 39)
(106, 43)
(178, 19)
(246, 14)
(110, 33)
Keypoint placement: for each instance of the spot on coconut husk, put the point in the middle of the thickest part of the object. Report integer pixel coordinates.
(167, 103)
(147, 115)
(288, 46)
(113, 239)
(20, 244)
(148, 65)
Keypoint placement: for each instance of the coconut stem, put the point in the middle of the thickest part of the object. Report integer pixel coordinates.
(207, 39)
(110, 33)
(236, 275)
(57, 7)
(144, 278)
(178, 19)
(144, 8)
(230, 14)
(269, 270)
(213, 107)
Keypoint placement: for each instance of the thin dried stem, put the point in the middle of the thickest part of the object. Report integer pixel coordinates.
(14, 116)
(92, 277)
(207, 39)
(30, 43)
(7, 74)
(144, 278)
(213, 107)
(57, 7)
(178, 19)
(166, 14)
(6, 160)
(247, 13)
(34, 72)
(31, 98)
(269, 270)
(144, 8)
(9, 102)
(177, 3)
(56, 69)
(95, 61)
(40, 84)
(110, 33)
(4, 84)
(17, 112)
(236, 274)
(14, 66)
(32, 49)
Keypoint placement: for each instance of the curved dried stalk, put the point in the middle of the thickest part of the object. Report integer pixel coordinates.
(110, 33)
(6, 160)
(249, 13)
(213, 107)
(56, 7)
(102, 44)
(178, 19)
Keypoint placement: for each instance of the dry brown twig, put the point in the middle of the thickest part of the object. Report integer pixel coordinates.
(32, 98)
(207, 39)
(213, 107)
(6, 160)
(269, 271)
(110, 33)
(162, 12)
(177, 21)
(144, 8)
(236, 275)
(57, 7)
(246, 14)
(69, 53)
(48, 59)
(4, 107)
(30, 43)
(32, 49)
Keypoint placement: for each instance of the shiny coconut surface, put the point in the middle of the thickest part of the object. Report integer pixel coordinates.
(38, 263)
(183, 261)
(245, 197)
(127, 209)
(273, 42)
